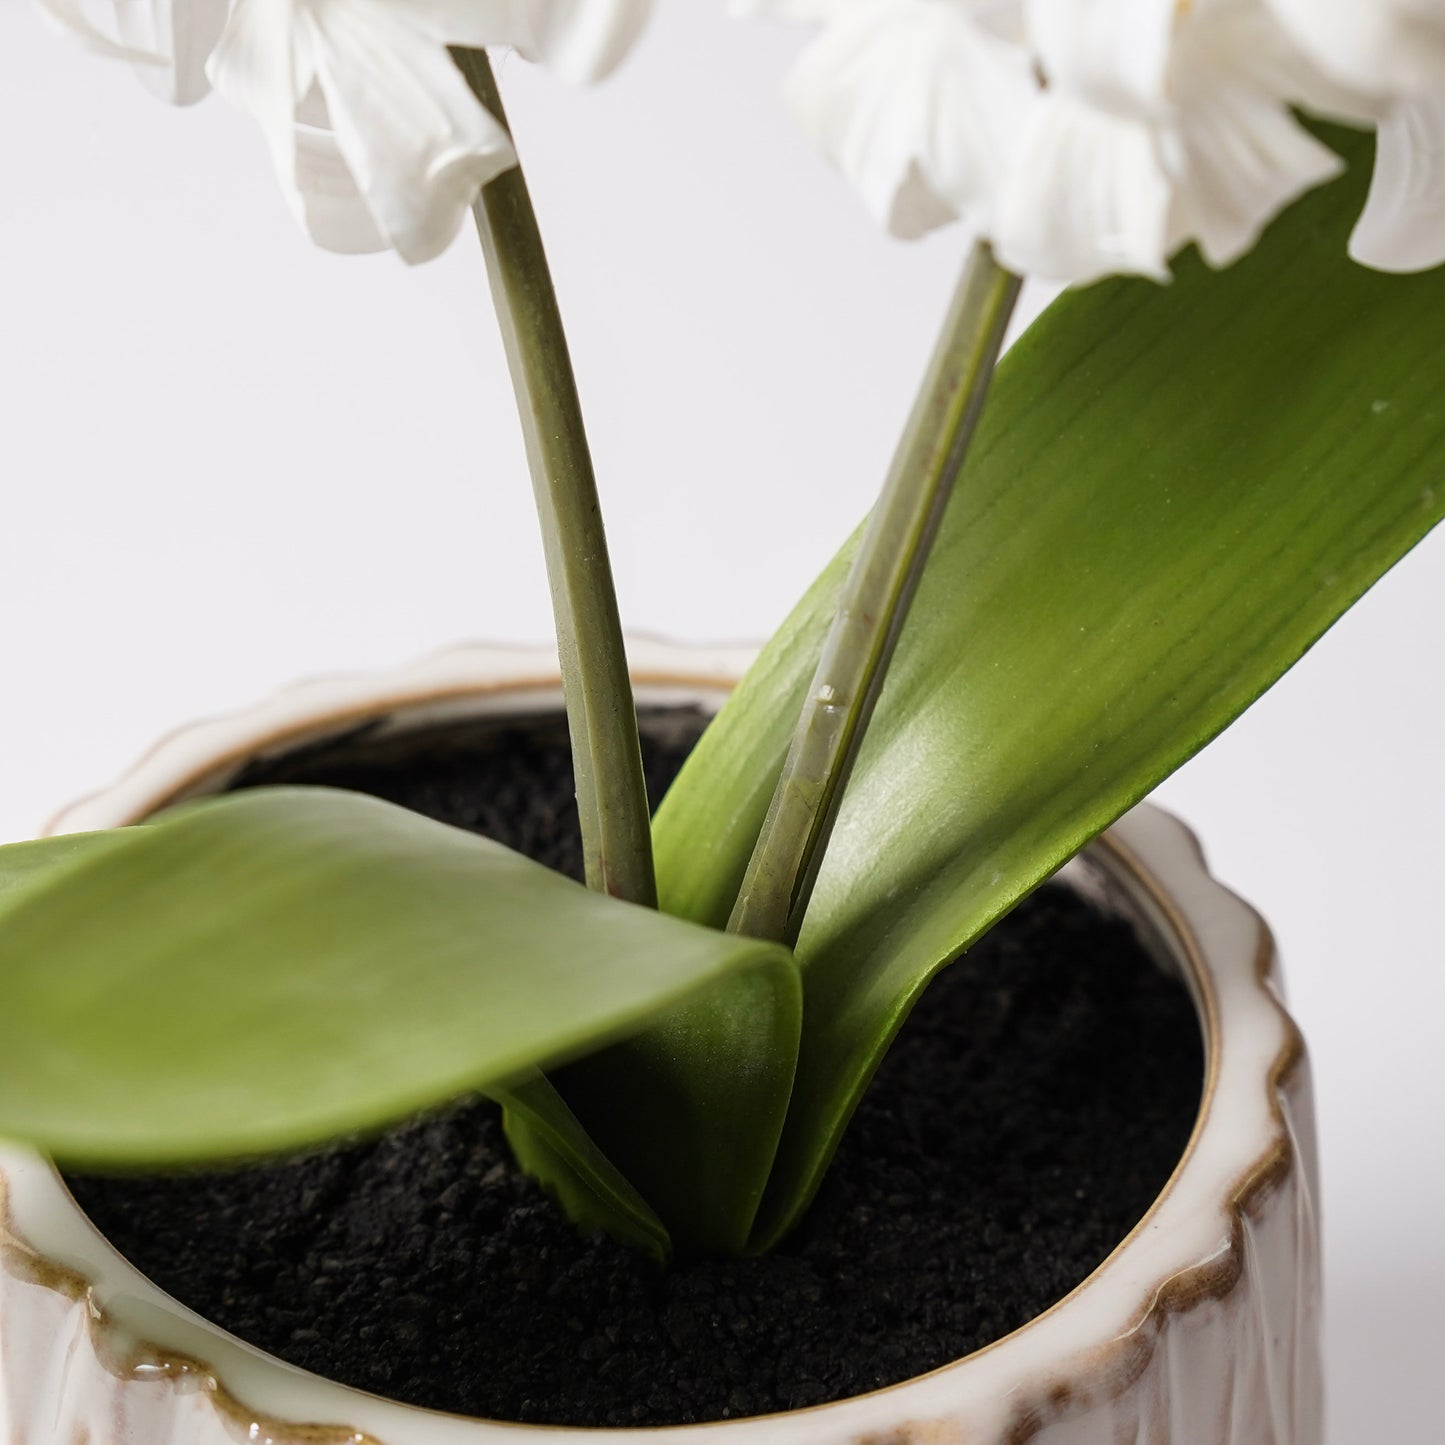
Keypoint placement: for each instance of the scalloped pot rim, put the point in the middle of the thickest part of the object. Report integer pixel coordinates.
(1201, 1326)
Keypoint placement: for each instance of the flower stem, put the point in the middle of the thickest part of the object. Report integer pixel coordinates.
(874, 603)
(601, 716)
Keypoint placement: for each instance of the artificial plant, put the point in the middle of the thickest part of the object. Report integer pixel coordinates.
(1080, 569)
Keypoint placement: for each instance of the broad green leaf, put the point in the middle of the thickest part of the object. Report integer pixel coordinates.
(268, 970)
(26, 867)
(1174, 491)
(691, 1108)
(549, 1143)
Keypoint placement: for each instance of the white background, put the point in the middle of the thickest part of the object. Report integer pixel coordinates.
(229, 460)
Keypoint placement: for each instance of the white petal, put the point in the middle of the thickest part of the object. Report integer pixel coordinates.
(917, 106)
(183, 32)
(585, 40)
(1114, 53)
(1241, 42)
(418, 143)
(327, 200)
(1245, 158)
(264, 63)
(1088, 197)
(1385, 47)
(1403, 225)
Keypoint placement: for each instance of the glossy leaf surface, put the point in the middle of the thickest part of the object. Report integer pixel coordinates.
(1173, 492)
(270, 969)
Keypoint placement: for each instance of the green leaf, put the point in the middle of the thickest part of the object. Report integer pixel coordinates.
(27, 867)
(551, 1144)
(271, 969)
(1173, 492)
(691, 1109)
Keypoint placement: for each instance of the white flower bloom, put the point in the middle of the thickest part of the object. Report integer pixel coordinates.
(414, 139)
(377, 138)
(1392, 52)
(1092, 137)
(582, 40)
(917, 102)
(1403, 224)
(1380, 47)
(1162, 123)
(168, 41)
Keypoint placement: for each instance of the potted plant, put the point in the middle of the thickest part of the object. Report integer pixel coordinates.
(1148, 532)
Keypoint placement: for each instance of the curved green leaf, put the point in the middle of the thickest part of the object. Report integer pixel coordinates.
(270, 969)
(691, 1109)
(30, 866)
(550, 1144)
(1173, 492)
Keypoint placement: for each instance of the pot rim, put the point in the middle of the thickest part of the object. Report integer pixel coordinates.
(1189, 1248)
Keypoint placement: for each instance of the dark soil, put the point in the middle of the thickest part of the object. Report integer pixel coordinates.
(1035, 1104)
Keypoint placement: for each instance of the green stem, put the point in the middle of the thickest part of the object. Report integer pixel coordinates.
(611, 794)
(874, 603)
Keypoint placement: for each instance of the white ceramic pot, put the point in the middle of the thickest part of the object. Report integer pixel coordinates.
(1201, 1328)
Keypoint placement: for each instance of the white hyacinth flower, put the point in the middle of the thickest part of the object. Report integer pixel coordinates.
(377, 138)
(1380, 47)
(1163, 123)
(1093, 137)
(391, 145)
(1402, 227)
(1393, 53)
(581, 40)
(917, 102)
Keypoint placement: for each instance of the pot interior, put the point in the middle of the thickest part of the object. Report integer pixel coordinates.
(721, 1320)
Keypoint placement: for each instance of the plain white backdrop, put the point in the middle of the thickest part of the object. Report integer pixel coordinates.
(230, 460)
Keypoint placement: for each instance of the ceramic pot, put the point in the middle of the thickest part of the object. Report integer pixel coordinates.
(1201, 1328)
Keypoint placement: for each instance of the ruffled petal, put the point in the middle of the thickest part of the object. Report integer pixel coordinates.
(415, 139)
(327, 200)
(1240, 42)
(585, 40)
(917, 106)
(1384, 47)
(1113, 53)
(183, 33)
(1245, 159)
(265, 64)
(1403, 224)
(1088, 197)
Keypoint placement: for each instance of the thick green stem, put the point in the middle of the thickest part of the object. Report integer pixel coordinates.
(874, 603)
(611, 795)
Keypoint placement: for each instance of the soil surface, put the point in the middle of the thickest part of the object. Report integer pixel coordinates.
(1035, 1104)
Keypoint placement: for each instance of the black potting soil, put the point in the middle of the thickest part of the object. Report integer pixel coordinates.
(1034, 1105)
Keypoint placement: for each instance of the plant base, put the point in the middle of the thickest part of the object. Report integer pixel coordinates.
(1036, 1105)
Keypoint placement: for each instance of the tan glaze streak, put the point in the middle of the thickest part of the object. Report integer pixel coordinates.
(923, 1432)
(25, 1264)
(145, 1363)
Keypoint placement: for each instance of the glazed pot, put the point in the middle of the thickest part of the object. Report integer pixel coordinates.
(1201, 1328)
